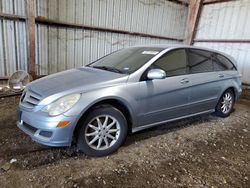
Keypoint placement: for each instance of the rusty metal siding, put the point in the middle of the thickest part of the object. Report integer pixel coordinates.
(59, 48)
(16, 7)
(158, 17)
(64, 48)
(13, 53)
(228, 20)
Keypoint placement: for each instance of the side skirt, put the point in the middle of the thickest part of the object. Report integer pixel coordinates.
(136, 129)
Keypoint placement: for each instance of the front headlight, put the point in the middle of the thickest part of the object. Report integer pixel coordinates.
(62, 105)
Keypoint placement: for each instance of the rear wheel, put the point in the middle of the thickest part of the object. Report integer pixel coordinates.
(102, 132)
(225, 104)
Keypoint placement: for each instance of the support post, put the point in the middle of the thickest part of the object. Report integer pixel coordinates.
(31, 34)
(194, 10)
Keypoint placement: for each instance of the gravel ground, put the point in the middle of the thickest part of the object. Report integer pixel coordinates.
(204, 151)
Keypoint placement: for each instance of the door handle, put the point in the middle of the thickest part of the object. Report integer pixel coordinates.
(184, 81)
(221, 75)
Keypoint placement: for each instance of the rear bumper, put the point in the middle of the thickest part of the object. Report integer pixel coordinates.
(43, 129)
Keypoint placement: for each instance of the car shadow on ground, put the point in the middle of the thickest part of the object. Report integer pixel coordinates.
(169, 127)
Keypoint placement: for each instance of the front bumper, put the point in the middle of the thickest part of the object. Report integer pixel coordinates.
(42, 128)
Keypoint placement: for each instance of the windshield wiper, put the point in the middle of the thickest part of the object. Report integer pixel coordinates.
(112, 69)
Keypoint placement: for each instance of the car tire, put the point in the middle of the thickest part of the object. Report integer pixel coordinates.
(102, 132)
(225, 104)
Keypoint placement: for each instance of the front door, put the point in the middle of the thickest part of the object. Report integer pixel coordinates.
(165, 99)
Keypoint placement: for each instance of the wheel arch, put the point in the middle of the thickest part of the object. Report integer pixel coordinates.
(218, 110)
(232, 88)
(115, 102)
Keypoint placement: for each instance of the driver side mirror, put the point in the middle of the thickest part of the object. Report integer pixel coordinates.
(156, 74)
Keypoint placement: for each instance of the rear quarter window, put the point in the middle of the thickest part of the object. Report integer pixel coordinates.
(222, 63)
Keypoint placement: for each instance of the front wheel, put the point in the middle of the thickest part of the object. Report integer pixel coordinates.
(225, 104)
(102, 132)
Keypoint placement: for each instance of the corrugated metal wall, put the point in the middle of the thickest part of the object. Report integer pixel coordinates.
(158, 17)
(13, 52)
(16, 7)
(228, 20)
(59, 48)
(64, 48)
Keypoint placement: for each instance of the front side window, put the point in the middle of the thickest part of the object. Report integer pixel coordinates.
(127, 60)
(173, 63)
(199, 61)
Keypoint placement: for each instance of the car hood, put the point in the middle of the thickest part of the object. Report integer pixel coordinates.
(76, 80)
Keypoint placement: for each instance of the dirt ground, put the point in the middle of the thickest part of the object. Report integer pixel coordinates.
(203, 151)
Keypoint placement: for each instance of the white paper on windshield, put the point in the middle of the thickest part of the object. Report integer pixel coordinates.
(150, 52)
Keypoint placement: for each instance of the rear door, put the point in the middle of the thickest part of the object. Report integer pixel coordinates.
(205, 83)
(167, 98)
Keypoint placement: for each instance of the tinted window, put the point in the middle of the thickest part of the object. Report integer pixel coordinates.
(173, 63)
(199, 61)
(127, 60)
(221, 63)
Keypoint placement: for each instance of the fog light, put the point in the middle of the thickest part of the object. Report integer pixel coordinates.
(63, 124)
(46, 134)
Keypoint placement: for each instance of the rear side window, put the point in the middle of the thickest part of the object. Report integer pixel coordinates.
(199, 61)
(174, 63)
(221, 63)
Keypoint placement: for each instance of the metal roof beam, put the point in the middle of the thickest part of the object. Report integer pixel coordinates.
(206, 2)
(12, 17)
(56, 23)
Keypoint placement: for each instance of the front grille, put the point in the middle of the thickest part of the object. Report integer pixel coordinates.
(30, 99)
(29, 128)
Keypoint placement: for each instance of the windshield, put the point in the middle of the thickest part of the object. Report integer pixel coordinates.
(126, 61)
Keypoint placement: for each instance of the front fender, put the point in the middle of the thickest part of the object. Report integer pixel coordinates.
(89, 99)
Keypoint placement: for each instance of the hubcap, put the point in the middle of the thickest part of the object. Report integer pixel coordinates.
(227, 103)
(102, 132)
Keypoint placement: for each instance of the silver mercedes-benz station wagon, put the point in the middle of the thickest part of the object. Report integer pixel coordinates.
(96, 106)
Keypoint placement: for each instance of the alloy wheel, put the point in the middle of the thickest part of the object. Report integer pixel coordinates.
(227, 103)
(102, 132)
